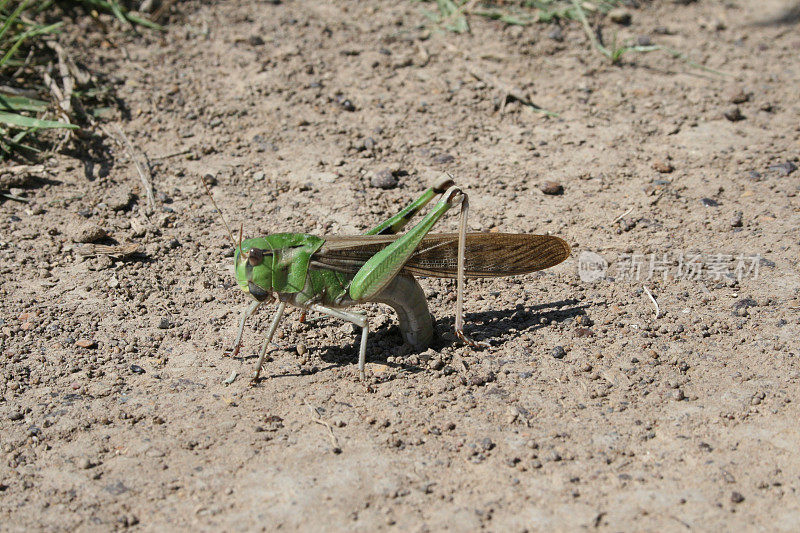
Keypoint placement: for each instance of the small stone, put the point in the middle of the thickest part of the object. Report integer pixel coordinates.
(259, 176)
(785, 168)
(738, 96)
(663, 166)
(741, 306)
(326, 177)
(620, 16)
(87, 232)
(443, 159)
(552, 188)
(486, 444)
(384, 179)
(436, 364)
(477, 380)
(644, 40)
(709, 202)
(736, 219)
(301, 349)
(119, 199)
(136, 369)
(734, 114)
(15, 415)
(347, 105)
(678, 395)
(163, 323)
(558, 352)
(86, 343)
(736, 497)
(85, 464)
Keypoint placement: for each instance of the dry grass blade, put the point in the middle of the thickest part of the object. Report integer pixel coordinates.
(316, 418)
(144, 171)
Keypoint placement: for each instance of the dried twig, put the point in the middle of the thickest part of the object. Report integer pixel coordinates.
(80, 75)
(505, 89)
(316, 418)
(623, 215)
(171, 154)
(144, 171)
(655, 303)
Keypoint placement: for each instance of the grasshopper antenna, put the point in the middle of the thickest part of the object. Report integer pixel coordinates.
(225, 222)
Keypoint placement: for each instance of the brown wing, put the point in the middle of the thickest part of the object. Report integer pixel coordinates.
(487, 254)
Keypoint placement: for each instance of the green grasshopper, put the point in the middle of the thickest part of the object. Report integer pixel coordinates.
(328, 274)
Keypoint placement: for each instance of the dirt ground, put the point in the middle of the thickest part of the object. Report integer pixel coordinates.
(587, 411)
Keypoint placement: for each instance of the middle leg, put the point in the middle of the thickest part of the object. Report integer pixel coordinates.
(358, 320)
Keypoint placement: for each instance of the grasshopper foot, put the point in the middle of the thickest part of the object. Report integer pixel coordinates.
(469, 342)
(232, 352)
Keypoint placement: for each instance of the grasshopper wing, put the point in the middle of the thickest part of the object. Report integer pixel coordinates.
(487, 254)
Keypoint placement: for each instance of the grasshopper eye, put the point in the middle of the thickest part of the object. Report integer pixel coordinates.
(256, 256)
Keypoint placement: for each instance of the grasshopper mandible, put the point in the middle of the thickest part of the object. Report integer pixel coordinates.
(328, 274)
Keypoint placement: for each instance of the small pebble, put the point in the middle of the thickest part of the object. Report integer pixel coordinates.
(443, 159)
(384, 179)
(15, 415)
(736, 497)
(163, 323)
(708, 202)
(552, 188)
(436, 364)
(620, 16)
(738, 96)
(136, 369)
(785, 168)
(734, 114)
(86, 343)
(678, 395)
(87, 232)
(663, 166)
(301, 349)
(736, 219)
(558, 352)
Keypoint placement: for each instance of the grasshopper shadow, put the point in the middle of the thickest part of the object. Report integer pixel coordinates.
(485, 326)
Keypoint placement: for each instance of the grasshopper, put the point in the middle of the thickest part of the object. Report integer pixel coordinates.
(331, 273)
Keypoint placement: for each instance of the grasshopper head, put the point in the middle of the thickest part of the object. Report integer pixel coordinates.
(253, 265)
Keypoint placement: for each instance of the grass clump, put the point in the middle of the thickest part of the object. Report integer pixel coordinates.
(452, 15)
(41, 88)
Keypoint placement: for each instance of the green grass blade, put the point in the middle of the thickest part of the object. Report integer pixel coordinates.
(13, 17)
(21, 121)
(22, 103)
(30, 33)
